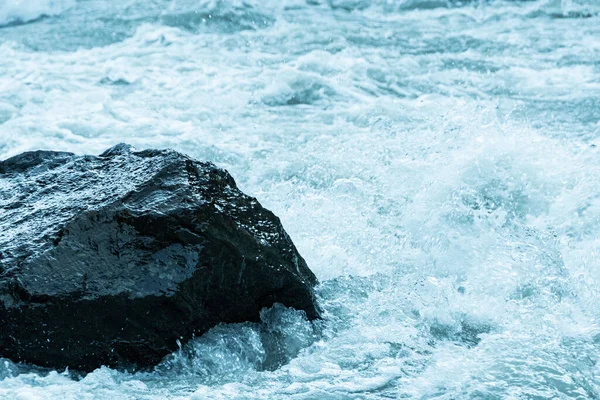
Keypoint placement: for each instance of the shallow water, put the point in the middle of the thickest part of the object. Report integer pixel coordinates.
(436, 163)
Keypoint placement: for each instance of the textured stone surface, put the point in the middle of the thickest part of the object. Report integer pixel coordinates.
(110, 260)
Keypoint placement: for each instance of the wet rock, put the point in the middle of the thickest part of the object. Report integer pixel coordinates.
(112, 260)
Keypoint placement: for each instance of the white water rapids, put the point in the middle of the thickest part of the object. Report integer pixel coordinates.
(436, 163)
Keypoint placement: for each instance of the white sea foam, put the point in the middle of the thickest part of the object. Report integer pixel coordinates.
(436, 165)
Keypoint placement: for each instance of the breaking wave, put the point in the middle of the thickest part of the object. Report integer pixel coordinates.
(14, 12)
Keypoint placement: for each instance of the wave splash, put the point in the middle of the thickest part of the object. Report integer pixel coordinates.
(16, 12)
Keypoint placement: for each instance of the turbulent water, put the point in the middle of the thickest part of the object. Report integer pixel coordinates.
(436, 162)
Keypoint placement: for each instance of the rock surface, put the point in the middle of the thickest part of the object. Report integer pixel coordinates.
(111, 260)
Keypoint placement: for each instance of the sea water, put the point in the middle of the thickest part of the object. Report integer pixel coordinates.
(436, 163)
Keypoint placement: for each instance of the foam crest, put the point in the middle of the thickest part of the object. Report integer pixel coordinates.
(23, 11)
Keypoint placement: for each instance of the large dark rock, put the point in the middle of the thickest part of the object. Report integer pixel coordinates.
(111, 260)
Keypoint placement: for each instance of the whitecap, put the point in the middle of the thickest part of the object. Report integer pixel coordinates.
(24, 11)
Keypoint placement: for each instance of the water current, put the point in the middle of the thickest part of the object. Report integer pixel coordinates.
(436, 162)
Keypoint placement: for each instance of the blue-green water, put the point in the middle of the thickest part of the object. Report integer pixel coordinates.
(435, 162)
